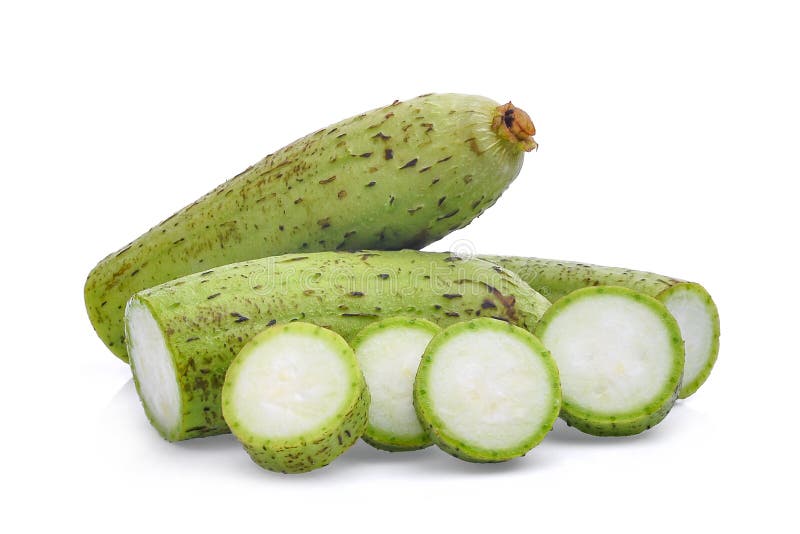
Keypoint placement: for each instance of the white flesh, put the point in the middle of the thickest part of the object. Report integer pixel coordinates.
(389, 359)
(290, 384)
(697, 328)
(614, 354)
(155, 372)
(489, 388)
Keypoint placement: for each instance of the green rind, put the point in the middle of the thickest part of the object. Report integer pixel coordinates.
(207, 318)
(689, 388)
(437, 428)
(635, 421)
(373, 435)
(300, 454)
(401, 176)
(555, 279)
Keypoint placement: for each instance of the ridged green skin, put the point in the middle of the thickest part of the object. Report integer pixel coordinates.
(382, 438)
(303, 453)
(556, 278)
(438, 430)
(208, 317)
(636, 421)
(402, 176)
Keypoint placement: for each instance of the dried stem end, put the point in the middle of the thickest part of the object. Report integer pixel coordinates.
(515, 125)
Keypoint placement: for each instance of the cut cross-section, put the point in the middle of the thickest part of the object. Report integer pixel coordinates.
(295, 397)
(620, 356)
(487, 391)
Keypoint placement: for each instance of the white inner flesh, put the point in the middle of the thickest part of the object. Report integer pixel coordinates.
(289, 385)
(489, 388)
(389, 359)
(697, 327)
(153, 366)
(613, 353)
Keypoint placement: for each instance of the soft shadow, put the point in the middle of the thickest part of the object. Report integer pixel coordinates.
(124, 394)
(222, 442)
(430, 460)
(563, 433)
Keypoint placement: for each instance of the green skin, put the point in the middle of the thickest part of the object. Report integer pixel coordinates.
(635, 421)
(303, 453)
(401, 176)
(382, 438)
(555, 279)
(438, 430)
(207, 318)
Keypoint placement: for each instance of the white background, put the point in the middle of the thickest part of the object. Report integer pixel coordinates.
(668, 141)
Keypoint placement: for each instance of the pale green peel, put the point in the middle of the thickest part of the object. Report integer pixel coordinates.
(206, 318)
(401, 176)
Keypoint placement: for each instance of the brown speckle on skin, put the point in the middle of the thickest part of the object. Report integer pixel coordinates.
(239, 317)
(447, 215)
(381, 136)
(298, 200)
(370, 184)
(324, 223)
(388, 154)
(213, 296)
(488, 304)
(342, 194)
(327, 180)
(452, 314)
(365, 155)
(441, 201)
(452, 295)
(473, 145)
(356, 294)
(411, 163)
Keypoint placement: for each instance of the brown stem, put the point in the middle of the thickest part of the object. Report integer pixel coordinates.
(515, 125)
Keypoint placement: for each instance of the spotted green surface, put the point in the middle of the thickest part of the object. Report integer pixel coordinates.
(313, 449)
(644, 417)
(401, 176)
(556, 278)
(208, 317)
(460, 446)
